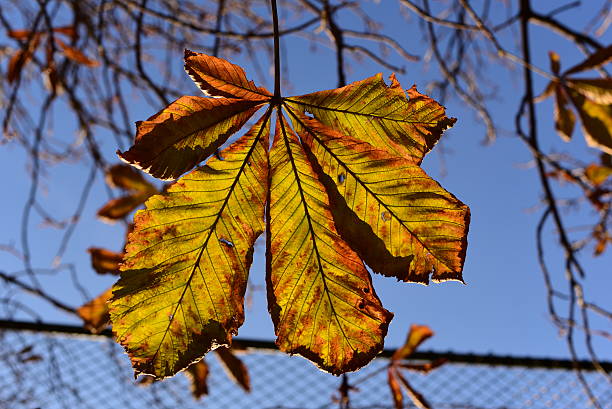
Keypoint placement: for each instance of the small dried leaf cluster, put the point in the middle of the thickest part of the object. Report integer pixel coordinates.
(136, 190)
(591, 98)
(340, 185)
(52, 42)
(397, 381)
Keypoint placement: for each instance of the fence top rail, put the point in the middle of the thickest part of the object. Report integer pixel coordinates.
(244, 343)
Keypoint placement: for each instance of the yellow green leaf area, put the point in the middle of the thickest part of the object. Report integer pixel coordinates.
(380, 115)
(320, 295)
(342, 190)
(184, 276)
(400, 221)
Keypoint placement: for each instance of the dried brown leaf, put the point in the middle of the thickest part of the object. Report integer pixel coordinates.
(95, 313)
(75, 54)
(126, 177)
(105, 261)
(424, 368)
(596, 121)
(234, 367)
(564, 117)
(416, 336)
(417, 398)
(595, 60)
(69, 31)
(19, 34)
(198, 374)
(597, 174)
(186, 132)
(220, 78)
(116, 209)
(396, 391)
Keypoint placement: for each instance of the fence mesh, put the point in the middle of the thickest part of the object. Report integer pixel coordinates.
(51, 370)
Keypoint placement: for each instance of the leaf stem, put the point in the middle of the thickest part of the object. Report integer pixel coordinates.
(277, 86)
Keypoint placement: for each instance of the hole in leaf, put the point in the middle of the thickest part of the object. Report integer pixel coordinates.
(366, 290)
(341, 178)
(361, 305)
(386, 216)
(249, 163)
(226, 242)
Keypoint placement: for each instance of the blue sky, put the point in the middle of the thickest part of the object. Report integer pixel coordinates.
(502, 308)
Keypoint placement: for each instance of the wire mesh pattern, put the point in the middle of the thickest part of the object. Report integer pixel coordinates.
(43, 370)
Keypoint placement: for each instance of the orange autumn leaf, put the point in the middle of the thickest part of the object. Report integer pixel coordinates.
(95, 313)
(105, 261)
(75, 54)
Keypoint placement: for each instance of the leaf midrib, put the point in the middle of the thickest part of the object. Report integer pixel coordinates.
(312, 234)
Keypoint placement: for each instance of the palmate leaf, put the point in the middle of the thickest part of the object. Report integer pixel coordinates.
(590, 97)
(337, 190)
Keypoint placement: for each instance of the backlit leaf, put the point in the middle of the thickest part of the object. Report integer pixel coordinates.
(75, 54)
(396, 392)
(596, 121)
(116, 209)
(127, 178)
(220, 78)
(416, 397)
(381, 115)
(183, 280)
(105, 261)
(186, 132)
(95, 312)
(602, 239)
(413, 227)
(348, 189)
(416, 336)
(564, 117)
(234, 367)
(198, 375)
(130, 180)
(69, 31)
(598, 90)
(20, 59)
(425, 367)
(320, 295)
(555, 63)
(597, 174)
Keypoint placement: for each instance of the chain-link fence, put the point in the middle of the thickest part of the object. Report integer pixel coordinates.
(56, 367)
